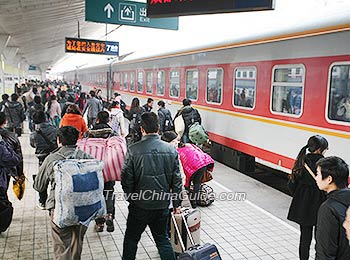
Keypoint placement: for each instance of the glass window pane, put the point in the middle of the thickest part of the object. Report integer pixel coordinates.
(287, 99)
(132, 81)
(294, 74)
(149, 81)
(160, 82)
(125, 81)
(175, 83)
(140, 81)
(244, 87)
(214, 85)
(339, 95)
(192, 84)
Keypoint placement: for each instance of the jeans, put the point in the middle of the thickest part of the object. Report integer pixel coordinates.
(110, 200)
(138, 220)
(305, 242)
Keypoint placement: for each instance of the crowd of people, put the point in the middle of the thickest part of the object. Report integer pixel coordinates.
(160, 158)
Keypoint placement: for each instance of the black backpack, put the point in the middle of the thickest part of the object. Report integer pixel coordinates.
(168, 121)
(135, 126)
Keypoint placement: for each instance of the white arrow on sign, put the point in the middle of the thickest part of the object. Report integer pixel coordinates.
(109, 9)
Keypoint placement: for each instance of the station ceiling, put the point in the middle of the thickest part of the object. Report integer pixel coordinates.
(38, 28)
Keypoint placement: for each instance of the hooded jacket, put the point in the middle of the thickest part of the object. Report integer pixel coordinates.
(14, 114)
(43, 148)
(331, 241)
(74, 120)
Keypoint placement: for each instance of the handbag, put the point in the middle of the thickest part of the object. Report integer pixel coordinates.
(19, 185)
(179, 125)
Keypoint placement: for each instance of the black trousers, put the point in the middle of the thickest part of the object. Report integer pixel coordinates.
(108, 193)
(305, 241)
(196, 179)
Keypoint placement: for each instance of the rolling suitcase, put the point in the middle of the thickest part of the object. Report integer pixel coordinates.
(196, 252)
(192, 217)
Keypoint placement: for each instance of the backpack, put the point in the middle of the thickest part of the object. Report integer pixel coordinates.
(168, 121)
(197, 134)
(206, 195)
(135, 126)
(79, 191)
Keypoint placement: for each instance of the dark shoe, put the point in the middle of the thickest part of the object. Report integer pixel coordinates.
(99, 227)
(109, 223)
(41, 206)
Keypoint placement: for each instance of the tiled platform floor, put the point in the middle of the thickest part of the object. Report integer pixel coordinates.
(240, 229)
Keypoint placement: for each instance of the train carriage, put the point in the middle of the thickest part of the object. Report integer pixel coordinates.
(261, 96)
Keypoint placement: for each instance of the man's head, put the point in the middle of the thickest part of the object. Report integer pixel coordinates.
(68, 135)
(186, 102)
(149, 123)
(150, 102)
(14, 97)
(2, 119)
(37, 99)
(5, 97)
(332, 173)
(103, 117)
(39, 117)
(161, 103)
(92, 93)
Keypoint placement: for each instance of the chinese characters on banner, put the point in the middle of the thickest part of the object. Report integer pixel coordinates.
(77, 45)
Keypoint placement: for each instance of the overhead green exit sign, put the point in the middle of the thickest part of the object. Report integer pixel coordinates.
(126, 13)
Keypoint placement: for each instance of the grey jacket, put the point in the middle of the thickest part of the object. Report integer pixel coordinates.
(151, 168)
(93, 106)
(46, 173)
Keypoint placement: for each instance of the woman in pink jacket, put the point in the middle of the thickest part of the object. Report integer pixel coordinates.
(195, 163)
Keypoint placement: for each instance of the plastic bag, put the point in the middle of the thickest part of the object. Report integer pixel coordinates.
(19, 186)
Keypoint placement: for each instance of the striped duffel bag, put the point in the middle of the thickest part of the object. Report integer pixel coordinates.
(111, 151)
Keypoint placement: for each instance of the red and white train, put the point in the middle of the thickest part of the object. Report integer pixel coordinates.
(264, 97)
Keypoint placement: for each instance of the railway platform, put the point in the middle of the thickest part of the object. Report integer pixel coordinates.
(246, 222)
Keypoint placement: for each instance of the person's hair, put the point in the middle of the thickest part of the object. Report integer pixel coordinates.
(37, 100)
(186, 102)
(168, 136)
(98, 91)
(103, 117)
(149, 122)
(135, 103)
(39, 117)
(149, 100)
(63, 94)
(116, 94)
(53, 97)
(336, 168)
(5, 97)
(73, 109)
(161, 103)
(92, 93)
(2, 118)
(14, 97)
(68, 135)
(82, 95)
(315, 142)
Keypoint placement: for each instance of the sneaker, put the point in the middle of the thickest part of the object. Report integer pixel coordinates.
(99, 227)
(109, 223)
(41, 206)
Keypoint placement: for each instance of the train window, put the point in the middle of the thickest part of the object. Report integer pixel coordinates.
(149, 81)
(160, 82)
(125, 80)
(244, 87)
(132, 81)
(339, 93)
(214, 85)
(287, 89)
(174, 83)
(192, 84)
(140, 81)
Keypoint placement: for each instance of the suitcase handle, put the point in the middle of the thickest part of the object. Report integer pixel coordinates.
(178, 231)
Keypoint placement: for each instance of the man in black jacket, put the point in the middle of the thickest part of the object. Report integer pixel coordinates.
(331, 241)
(150, 174)
(15, 115)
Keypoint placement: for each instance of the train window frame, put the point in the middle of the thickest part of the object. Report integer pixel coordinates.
(288, 84)
(143, 80)
(149, 72)
(206, 87)
(164, 76)
(170, 82)
(240, 75)
(133, 77)
(188, 70)
(125, 73)
(332, 121)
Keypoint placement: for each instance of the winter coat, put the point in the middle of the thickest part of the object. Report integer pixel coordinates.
(192, 159)
(190, 115)
(164, 115)
(14, 114)
(93, 106)
(8, 159)
(117, 121)
(307, 197)
(151, 167)
(43, 148)
(36, 108)
(74, 120)
(331, 241)
(55, 109)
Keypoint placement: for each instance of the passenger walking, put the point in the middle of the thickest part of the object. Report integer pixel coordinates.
(332, 177)
(150, 173)
(117, 119)
(5, 99)
(44, 140)
(165, 119)
(15, 115)
(307, 197)
(134, 116)
(190, 115)
(93, 106)
(149, 105)
(54, 111)
(38, 106)
(81, 101)
(68, 241)
(73, 118)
